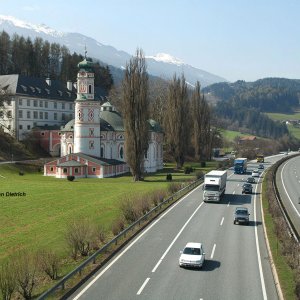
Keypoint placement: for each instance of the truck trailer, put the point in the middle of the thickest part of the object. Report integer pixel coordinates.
(214, 186)
(240, 165)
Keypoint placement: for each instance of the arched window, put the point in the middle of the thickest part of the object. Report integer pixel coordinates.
(102, 152)
(121, 153)
(90, 88)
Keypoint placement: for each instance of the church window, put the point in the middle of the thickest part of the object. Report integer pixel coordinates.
(91, 144)
(94, 169)
(91, 131)
(146, 154)
(76, 170)
(51, 169)
(121, 153)
(102, 152)
(65, 170)
(90, 88)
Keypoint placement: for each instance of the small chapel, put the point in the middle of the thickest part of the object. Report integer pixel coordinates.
(93, 144)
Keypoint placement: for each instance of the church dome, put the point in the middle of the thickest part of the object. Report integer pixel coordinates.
(85, 65)
(69, 126)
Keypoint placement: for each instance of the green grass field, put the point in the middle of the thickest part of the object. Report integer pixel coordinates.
(230, 135)
(295, 131)
(39, 219)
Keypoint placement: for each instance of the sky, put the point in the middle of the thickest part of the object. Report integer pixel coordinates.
(234, 39)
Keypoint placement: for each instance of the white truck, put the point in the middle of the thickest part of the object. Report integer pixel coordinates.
(214, 185)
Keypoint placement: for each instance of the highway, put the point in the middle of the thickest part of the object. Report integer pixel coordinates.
(288, 183)
(236, 267)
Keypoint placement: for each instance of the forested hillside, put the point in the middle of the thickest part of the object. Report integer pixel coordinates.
(241, 104)
(42, 59)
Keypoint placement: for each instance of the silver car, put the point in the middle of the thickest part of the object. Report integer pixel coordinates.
(192, 256)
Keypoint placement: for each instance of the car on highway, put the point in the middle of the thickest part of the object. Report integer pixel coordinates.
(241, 215)
(255, 173)
(192, 256)
(261, 167)
(251, 180)
(247, 188)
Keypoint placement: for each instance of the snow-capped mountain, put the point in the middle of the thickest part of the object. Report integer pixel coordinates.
(162, 65)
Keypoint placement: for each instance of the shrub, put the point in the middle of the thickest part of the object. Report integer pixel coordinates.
(117, 226)
(26, 273)
(101, 233)
(21, 173)
(70, 177)
(129, 210)
(174, 187)
(199, 174)
(49, 263)
(80, 237)
(158, 196)
(8, 280)
(169, 177)
(203, 164)
(188, 170)
(143, 205)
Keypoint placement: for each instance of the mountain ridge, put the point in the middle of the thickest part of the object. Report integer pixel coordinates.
(161, 65)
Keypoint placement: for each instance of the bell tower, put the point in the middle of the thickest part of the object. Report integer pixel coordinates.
(87, 112)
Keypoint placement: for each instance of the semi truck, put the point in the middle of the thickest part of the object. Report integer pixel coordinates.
(240, 165)
(214, 185)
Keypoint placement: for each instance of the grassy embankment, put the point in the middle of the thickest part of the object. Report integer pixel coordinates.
(285, 274)
(39, 219)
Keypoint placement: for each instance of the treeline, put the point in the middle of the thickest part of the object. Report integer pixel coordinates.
(265, 95)
(42, 59)
(249, 120)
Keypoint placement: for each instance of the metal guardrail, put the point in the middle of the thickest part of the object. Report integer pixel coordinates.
(93, 257)
(293, 232)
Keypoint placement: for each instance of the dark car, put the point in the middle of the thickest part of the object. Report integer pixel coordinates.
(247, 188)
(251, 180)
(241, 215)
(261, 167)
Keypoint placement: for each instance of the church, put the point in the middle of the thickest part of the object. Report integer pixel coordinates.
(93, 144)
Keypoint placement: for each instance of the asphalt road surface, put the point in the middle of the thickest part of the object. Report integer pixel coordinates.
(236, 266)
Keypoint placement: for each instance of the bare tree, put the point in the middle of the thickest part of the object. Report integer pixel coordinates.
(49, 263)
(176, 122)
(80, 236)
(26, 274)
(201, 123)
(136, 113)
(7, 280)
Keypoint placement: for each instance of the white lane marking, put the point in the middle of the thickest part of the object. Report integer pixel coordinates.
(176, 237)
(297, 212)
(126, 249)
(142, 287)
(222, 221)
(228, 204)
(213, 251)
(262, 280)
(233, 192)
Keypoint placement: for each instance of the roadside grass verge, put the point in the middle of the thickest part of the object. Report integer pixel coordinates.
(285, 274)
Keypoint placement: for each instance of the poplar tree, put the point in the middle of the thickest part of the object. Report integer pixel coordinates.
(176, 121)
(201, 124)
(136, 113)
